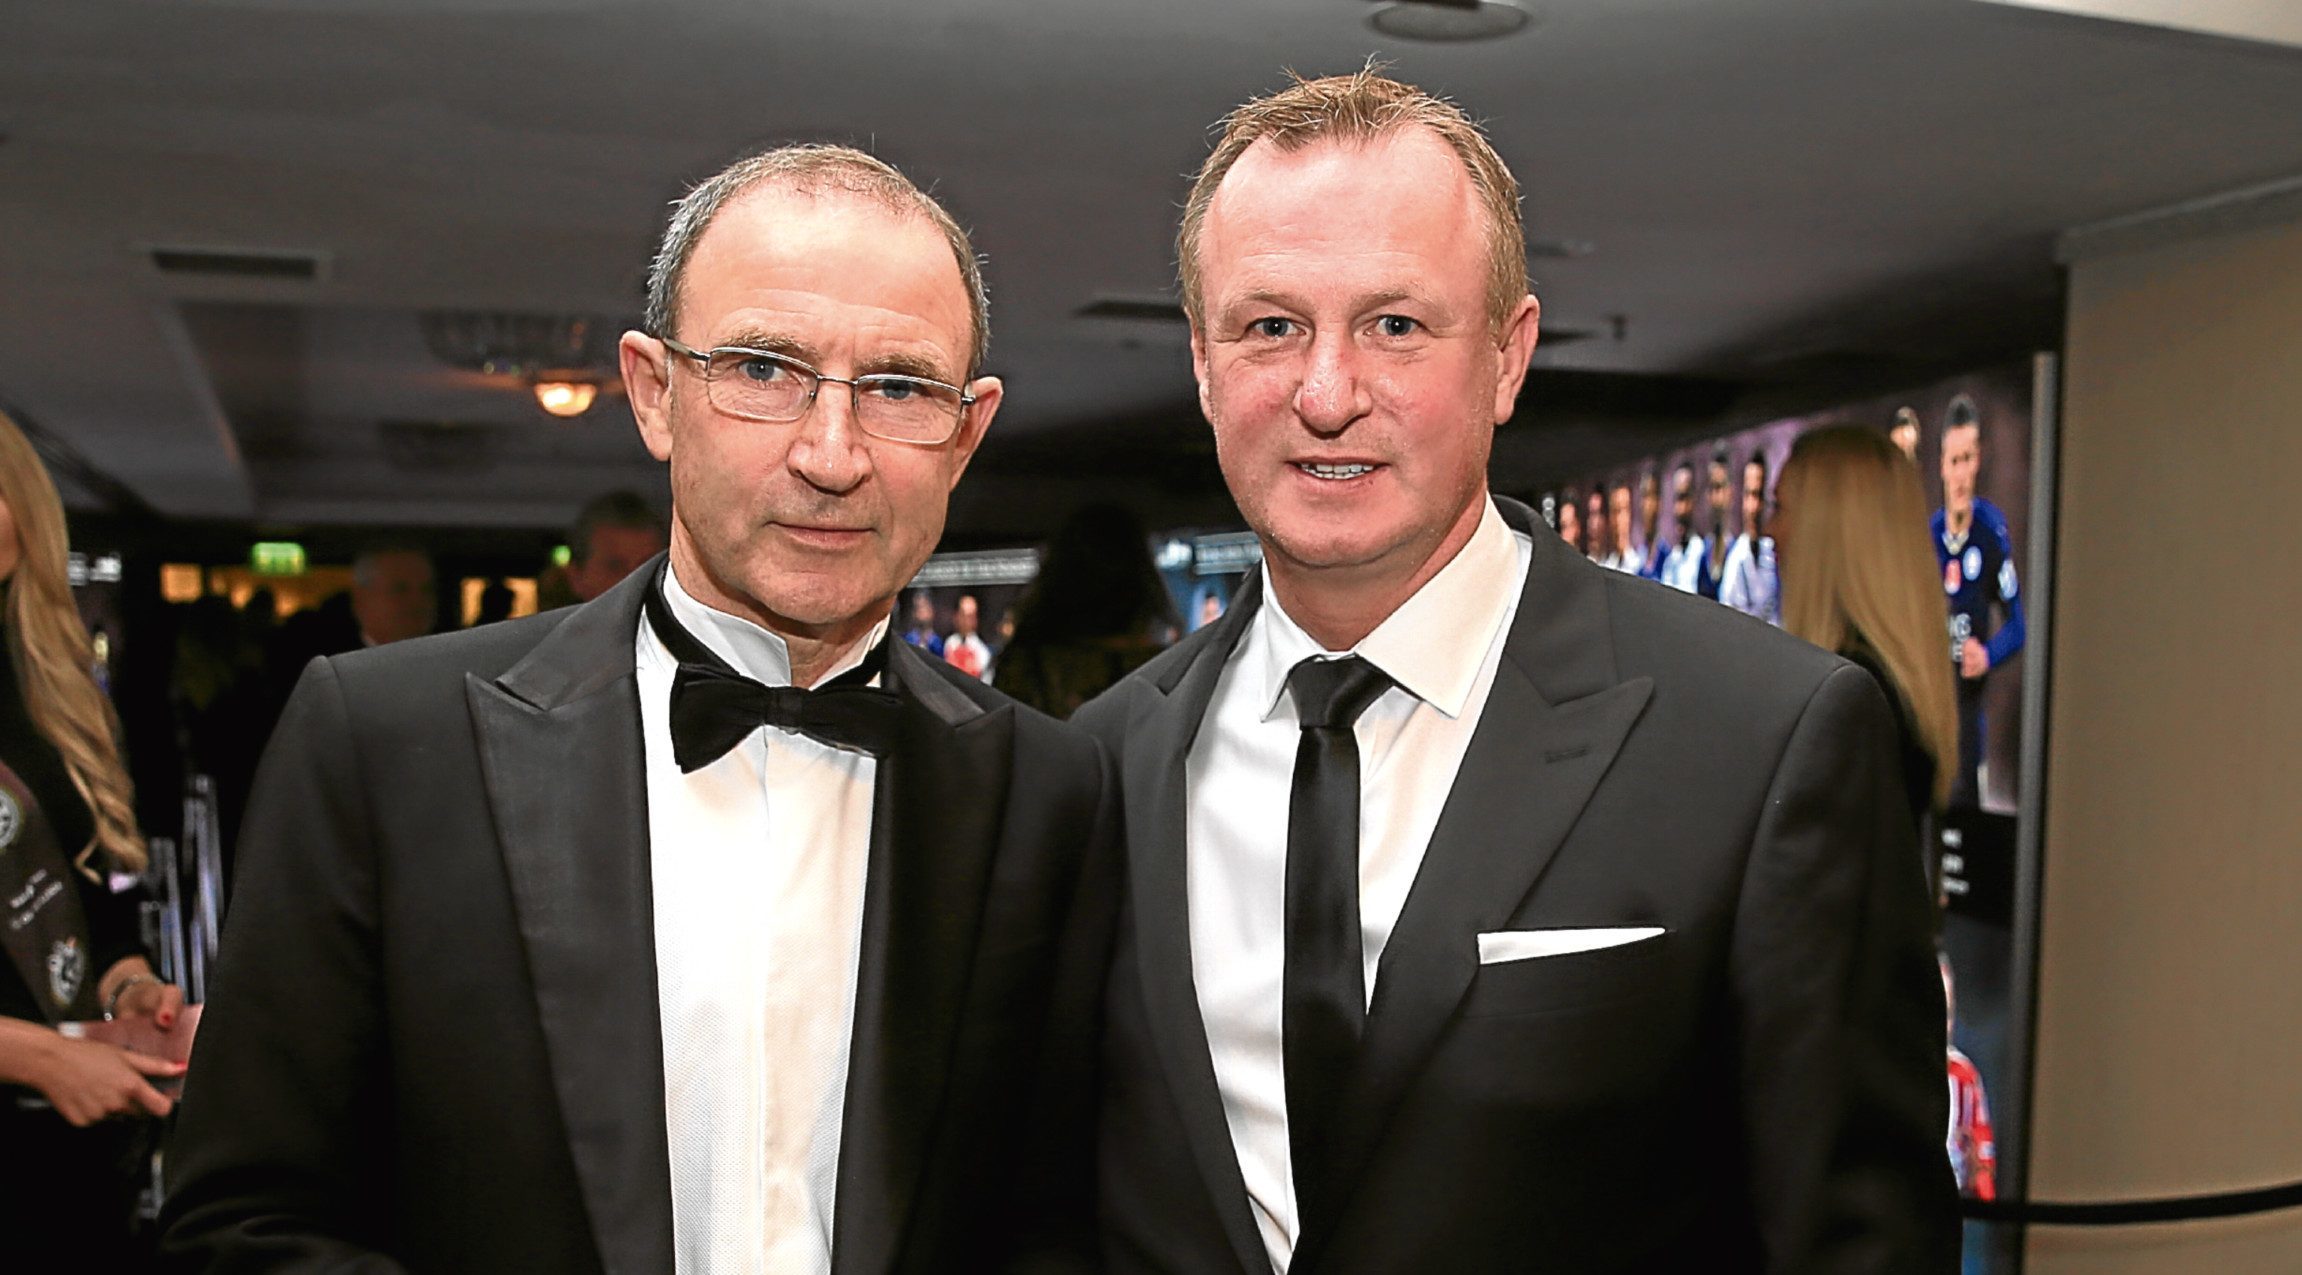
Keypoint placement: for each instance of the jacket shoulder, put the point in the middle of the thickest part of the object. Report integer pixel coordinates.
(1682, 640)
(1105, 716)
(1033, 728)
(485, 651)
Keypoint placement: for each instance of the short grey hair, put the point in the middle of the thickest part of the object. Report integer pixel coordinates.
(812, 168)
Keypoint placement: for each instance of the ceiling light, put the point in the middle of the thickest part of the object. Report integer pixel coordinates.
(566, 398)
(1449, 20)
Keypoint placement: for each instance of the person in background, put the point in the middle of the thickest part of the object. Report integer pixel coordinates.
(394, 594)
(552, 588)
(922, 632)
(614, 535)
(70, 1110)
(1683, 555)
(1624, 555)
(219, 702)
(1856, 580)
(393, 597)
(965, 649)
(1094, 614)
(496, 603)
(1720, 489)
(1972, 1145)
(1597, 542)
(1974, 551)
(1571, 520)
(1749, 584)
(1650, 525)
(1904, 432)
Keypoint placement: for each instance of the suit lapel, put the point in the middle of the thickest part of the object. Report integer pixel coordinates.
(1159, 743)
(937, 807)
(1552, 724)
(564, 764)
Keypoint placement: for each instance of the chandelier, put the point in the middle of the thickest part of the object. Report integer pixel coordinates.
(556, 356)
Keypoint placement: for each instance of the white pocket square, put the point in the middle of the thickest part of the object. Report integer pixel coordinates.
(1521, 945)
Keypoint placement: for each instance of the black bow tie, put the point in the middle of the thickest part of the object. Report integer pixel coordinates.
(713, 707)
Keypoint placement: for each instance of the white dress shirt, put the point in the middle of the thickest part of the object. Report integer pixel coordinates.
(1749, 583)
(758, 862)
(1682, 566)
(1441, 648)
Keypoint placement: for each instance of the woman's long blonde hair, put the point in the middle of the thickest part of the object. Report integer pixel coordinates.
(54, 657)
(1856, 568)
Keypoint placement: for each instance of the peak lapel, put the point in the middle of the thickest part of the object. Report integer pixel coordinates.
(1155, 781)
(937, 809)
(1552, 724)
(563, 756)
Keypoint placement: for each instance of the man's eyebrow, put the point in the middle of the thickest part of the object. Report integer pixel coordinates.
(1377, 300)
(904, 363)
(1258, 299)
(790, 347)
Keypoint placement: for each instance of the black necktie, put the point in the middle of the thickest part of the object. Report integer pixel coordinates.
(713, 707)
(1325, 998)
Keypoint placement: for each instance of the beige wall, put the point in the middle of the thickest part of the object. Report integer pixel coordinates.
(2170, 992)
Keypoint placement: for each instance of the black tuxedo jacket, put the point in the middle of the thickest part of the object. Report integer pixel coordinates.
(433, 1042)
(1760, 1089)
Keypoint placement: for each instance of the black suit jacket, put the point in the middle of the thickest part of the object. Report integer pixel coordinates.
(433, 1042)
(1760, 1089)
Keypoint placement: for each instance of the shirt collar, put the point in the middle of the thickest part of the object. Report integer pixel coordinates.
(749, 649)
(1431, 646)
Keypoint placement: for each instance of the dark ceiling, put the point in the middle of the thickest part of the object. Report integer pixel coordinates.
(1739, 206)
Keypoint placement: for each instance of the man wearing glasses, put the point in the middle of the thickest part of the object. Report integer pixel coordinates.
(593, 942)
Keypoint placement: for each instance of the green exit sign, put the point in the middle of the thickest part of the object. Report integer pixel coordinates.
(276, 558)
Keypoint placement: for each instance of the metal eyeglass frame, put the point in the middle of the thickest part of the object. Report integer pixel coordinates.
(854, 386)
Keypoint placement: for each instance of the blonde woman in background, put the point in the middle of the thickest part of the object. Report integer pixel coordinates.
(1858, 578)
(69, 949)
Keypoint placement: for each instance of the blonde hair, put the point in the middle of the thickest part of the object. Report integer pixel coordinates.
(1361, 107)
(1857, 569)
(53, 657)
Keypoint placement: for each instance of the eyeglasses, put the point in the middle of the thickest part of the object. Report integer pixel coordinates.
(760, 385)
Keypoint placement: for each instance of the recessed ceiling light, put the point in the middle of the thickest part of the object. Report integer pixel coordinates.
(565, 398)
(1449, 20)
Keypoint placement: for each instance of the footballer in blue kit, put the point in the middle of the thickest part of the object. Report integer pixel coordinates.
(1975, 549)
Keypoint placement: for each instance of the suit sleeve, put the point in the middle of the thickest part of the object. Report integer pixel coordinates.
(279, 1159)
(1838, 1008)
(2007, 642)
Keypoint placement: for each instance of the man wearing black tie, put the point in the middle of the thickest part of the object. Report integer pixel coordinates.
(1488, 911)
(590, 942)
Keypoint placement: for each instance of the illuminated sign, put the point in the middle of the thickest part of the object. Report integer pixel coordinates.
(276, 558)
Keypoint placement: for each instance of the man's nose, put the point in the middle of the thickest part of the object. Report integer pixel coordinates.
(829, 450)
(1332, 393)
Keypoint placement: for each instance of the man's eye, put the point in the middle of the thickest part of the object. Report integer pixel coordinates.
(759, 369)
(893, 391)
(1273, 328)
(1396, 325)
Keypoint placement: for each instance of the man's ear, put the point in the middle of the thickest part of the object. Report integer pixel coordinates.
(1199, 369)
(989, 393)
(647, 387)
(1519, 336)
